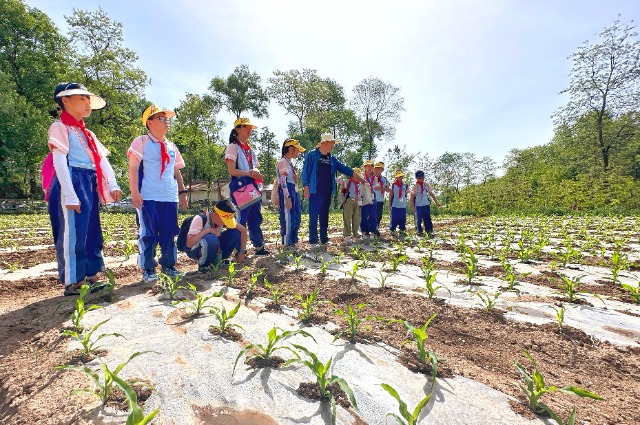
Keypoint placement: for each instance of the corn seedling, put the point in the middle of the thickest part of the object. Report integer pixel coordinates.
(396, 260)
(534, 387)
(633, 291)
(486, 301)
(618, 262)
(429, 276)
(571, 289)
(276, 291)
(84, 338)
(524, 252)
(200, 302)
(420, 336)
(108, 289)
(104, 384)
(384, 276)
(460, 245)
(364, 260)
(297, 261)
(266, 351)
(231, 273)
(223, 318)
(559, 315)
(170, 285)
(213, 270)
(406, 417)
(308, 304)
(136, 415)
(254, 280)
(353, 321)
(323, 266)
(325, 380)
(471, 263)
(129, 249)
(81, 310)
(353, 273)
(13, 267)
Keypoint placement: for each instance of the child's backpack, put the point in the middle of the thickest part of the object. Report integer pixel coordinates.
(47, 173)
(181, 243)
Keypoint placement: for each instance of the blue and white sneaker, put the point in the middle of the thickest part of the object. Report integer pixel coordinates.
(172, 272)
(149, 275)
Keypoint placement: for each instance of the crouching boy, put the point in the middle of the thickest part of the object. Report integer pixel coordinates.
(214, 236)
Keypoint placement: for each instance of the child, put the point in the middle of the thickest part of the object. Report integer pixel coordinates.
(398, 203)
(217, 233)
(81, 165)
(242, 165)
(156, 188)
(351, 208)
(368, 221)
(383, 185)
(288, 193)
(420, 193)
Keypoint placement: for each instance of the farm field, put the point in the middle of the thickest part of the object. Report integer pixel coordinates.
(565, 289)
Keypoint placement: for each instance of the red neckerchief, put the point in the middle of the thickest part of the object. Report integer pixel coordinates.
(357, 188)
(247, 153)
(165, 159)
(421, 186)
(370, 180)
(379, 180)
(67, 119)
(397, 183)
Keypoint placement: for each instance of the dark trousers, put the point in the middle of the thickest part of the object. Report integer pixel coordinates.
(368, 220)
(77, 236)
(379, 208)
(290, 218)
(251, 218)
(206, 249)
(423, 216)
(157, 225)
(398, 218)
(319, 212)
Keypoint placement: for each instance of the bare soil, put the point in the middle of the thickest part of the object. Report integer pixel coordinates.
(477, 344)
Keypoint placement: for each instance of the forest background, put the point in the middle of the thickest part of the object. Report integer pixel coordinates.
(592, 163)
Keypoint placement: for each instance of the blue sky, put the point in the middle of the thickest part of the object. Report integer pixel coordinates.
(477, 76)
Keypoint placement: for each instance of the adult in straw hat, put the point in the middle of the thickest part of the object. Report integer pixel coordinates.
(156, 188)
(319, 181)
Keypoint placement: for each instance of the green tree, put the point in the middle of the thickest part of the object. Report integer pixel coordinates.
(197, 133)
(241, 91)
(268, 150)
(377, 105)
(604, 84)
(32, 61)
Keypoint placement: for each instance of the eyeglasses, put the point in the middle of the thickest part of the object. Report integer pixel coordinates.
(163, 119)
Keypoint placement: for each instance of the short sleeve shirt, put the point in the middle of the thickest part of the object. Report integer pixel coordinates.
(72, 142)
(231, 152)
(157, 186)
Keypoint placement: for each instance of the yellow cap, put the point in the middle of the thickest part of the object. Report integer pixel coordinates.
(244, 121)
(379, 164)
(357, 171)
(228, 218)
(367, 162)
(295, 143)
(399, 173)
(153, 110)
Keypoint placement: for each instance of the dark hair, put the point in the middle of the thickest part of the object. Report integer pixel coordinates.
(285, 149)
(233, 137)
(60, 88)
(225, 205)
(419, 174)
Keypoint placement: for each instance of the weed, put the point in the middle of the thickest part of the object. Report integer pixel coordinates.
(324, 380)
(266, 351)
(406, 418)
